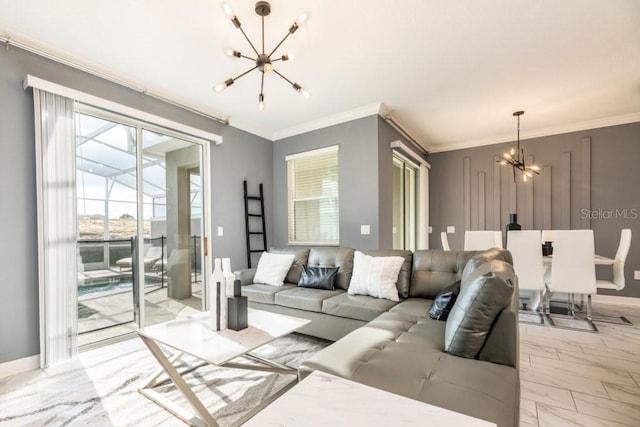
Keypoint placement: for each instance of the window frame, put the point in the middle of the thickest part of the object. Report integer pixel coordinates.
(291, 199)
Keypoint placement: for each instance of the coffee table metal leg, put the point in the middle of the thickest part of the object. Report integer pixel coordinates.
(205, 418)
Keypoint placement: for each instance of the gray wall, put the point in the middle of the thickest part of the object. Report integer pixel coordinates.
(387, 134)
(358, 178)
(242, 155)
(583, 171)
(365, 170)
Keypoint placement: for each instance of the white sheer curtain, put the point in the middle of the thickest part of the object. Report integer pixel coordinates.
(57, 235)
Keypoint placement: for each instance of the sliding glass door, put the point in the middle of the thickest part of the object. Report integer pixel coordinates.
(140, 227)
(405, 176)
(174, 241)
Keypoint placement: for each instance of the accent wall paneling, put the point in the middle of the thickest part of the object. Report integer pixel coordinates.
(583, 174)
(489, 193)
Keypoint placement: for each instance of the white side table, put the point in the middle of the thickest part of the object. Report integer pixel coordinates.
(322, 400)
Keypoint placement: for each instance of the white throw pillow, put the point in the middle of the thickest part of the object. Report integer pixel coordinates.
(375, 276)
(273, 268)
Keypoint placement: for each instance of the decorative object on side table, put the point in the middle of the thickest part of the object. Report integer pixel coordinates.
(238, 309)
(513, 225)
(218, 297)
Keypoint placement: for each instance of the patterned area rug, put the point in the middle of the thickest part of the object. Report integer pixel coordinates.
(101, 387)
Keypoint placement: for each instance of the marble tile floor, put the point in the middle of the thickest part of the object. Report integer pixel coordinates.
(574, 378)
(568, 378)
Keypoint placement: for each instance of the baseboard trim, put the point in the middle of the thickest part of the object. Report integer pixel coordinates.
(615, 300)
(17, 366)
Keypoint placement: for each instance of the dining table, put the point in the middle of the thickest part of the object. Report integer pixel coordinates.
(536, 298)
(597, 259)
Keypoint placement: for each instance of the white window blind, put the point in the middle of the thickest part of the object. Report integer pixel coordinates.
(312, 179)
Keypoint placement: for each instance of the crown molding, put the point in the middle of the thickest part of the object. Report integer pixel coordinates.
(11, 38)
(334, 119)
(247, 127)
(538, 133)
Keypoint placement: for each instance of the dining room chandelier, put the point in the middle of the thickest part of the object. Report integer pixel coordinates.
(515, 158)
(263, 61)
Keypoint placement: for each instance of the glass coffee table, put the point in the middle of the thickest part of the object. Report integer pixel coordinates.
(192, 335)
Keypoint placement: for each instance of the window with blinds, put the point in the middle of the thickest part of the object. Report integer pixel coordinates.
(312, 179)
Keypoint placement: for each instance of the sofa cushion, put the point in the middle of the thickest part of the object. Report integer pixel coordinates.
(404, 277)
(272, 268)
(405, 355)
(304, 298)
(359, 307)
(300, 259)
(375, 276)
(484, 293)
(481, 257)
(416, 307)
(263, 293)
(434, 270)
(482, 390)
(334, 257)
(318, 277)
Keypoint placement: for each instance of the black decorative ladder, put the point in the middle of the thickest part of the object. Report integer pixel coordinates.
(248, 216)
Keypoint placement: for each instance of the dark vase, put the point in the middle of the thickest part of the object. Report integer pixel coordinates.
(513, 225)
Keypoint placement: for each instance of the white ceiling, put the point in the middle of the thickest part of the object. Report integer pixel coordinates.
(451, 71)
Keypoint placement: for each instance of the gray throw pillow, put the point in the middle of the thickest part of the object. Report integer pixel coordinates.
(484, 293)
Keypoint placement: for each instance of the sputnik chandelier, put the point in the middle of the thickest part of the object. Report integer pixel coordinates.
(263, 61)
(515, 158)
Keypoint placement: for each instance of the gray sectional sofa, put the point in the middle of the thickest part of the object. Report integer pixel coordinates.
(396, 346)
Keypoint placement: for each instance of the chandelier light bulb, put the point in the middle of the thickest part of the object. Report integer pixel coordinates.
(233, 53)
(222, 86)
(268, 68)
(227, 10)
(261, 102)
(304, 93)
(302, 19)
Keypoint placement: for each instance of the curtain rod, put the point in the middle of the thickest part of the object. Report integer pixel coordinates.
(9, 41)
(389, 119)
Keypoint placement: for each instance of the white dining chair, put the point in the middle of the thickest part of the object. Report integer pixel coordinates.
(618, 282)
(482, 240)
(526, 251)
(445, 241)
(573, 271)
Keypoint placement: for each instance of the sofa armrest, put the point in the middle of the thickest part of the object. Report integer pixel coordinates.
(245, 276)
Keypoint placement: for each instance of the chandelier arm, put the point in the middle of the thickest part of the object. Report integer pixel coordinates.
(280, 44)
(262, 83)
(248, 57)
(286, 79)
(245, 73)
(251, 44)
